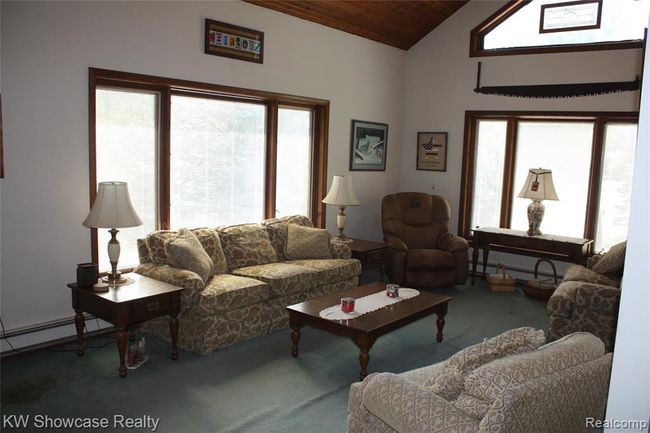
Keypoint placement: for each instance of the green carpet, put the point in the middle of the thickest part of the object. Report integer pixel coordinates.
(255, 386)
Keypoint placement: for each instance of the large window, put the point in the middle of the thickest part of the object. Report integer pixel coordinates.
(200, 155)
(590, 155)
(534, 26)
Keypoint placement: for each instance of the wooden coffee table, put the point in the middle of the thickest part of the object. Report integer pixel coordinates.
(364, 330)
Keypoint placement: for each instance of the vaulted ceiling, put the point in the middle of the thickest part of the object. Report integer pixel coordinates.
(399, 24)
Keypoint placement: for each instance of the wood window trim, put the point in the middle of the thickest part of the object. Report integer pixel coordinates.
(166, 87)
(477, 35)
(600, 119)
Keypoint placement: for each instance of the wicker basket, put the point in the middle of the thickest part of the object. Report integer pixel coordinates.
(501, 282)
(541, 288)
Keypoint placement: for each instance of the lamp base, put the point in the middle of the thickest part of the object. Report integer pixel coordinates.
(535, 215)
(341, 239)
(114, 279)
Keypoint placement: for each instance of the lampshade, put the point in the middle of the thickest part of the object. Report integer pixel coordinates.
(112, 208)
(341, 192)
(539, 185)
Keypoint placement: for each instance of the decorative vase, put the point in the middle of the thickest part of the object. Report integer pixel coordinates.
(535, 216)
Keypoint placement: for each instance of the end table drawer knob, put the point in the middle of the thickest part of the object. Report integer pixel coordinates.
(153, 306)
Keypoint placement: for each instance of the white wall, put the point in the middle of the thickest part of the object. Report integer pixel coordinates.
(439, 83)
(45, 102)
(629, 394)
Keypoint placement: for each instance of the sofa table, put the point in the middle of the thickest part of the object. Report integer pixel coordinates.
(141, 300)
(372, 254)
(364, 330)
(561, 248)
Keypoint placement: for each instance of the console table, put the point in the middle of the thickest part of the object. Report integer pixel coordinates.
(554, 247)
(143, 299)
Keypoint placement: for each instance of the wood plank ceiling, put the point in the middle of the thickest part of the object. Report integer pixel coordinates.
(399, 24)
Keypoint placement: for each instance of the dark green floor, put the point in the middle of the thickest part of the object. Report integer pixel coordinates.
(255, 386)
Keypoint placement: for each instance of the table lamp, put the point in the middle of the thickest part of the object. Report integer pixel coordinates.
(341, 194)
(538, 186)
(112, 210)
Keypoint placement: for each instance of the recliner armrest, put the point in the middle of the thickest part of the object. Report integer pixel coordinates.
(396, 401)
(452, 243)
(395, 243)
(340, 251)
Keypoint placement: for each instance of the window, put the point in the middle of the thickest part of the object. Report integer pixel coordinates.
(127, 140)
(591, 156)
(197, 155)
(525, 26)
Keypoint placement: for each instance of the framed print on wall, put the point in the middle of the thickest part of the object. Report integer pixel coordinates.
(432, 151)
(227, 40)
(368, 145)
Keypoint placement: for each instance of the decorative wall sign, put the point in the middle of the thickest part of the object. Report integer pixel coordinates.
(227, 40)
(368, 146)
(432, 151)
(568, 16)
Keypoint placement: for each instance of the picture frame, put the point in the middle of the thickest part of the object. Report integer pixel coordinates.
(228, 40)
(432, 151)
(368, 146)
(570, 16)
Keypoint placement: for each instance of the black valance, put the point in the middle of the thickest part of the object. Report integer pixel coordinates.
(557, 90)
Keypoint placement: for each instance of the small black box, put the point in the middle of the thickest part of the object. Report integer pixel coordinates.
(87, 274)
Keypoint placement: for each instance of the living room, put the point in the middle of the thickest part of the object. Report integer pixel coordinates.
(45, 114)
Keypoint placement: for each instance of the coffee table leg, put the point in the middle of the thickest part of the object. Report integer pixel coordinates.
(295, 338)
(364, 342)
(295, 325)
(440, 323)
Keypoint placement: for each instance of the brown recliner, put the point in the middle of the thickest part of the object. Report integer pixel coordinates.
(423, 252)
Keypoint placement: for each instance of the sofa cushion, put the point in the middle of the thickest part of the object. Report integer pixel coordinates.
(225, 292)
(277, 229)
(429, 260)
(282, 278)
(449, 382)
(307, 243)
(331, 270)
(186, 252)
(612, 261)
(476, 407)
(581, 273)
(246, 245)
(489, 381)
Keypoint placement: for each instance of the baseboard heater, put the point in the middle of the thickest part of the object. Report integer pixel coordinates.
(46, 326)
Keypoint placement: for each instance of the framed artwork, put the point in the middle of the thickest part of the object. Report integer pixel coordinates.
(432, 151)
(571, 15)
(368, 145)
(227, 40)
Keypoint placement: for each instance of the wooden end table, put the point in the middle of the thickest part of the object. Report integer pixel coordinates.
(364, 330)
(143, 299)
(372, 254)
(561, 248)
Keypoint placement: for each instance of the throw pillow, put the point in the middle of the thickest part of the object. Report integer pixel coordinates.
(307, 243)
(612, 261)
(186, 252)
(211, 243)
(449, 383)
(156, 244)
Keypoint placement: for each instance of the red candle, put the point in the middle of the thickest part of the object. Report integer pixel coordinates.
(347, 305)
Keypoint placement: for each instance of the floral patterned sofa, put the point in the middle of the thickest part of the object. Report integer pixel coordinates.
(588, 298)
(253, 282)
(508, 384)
